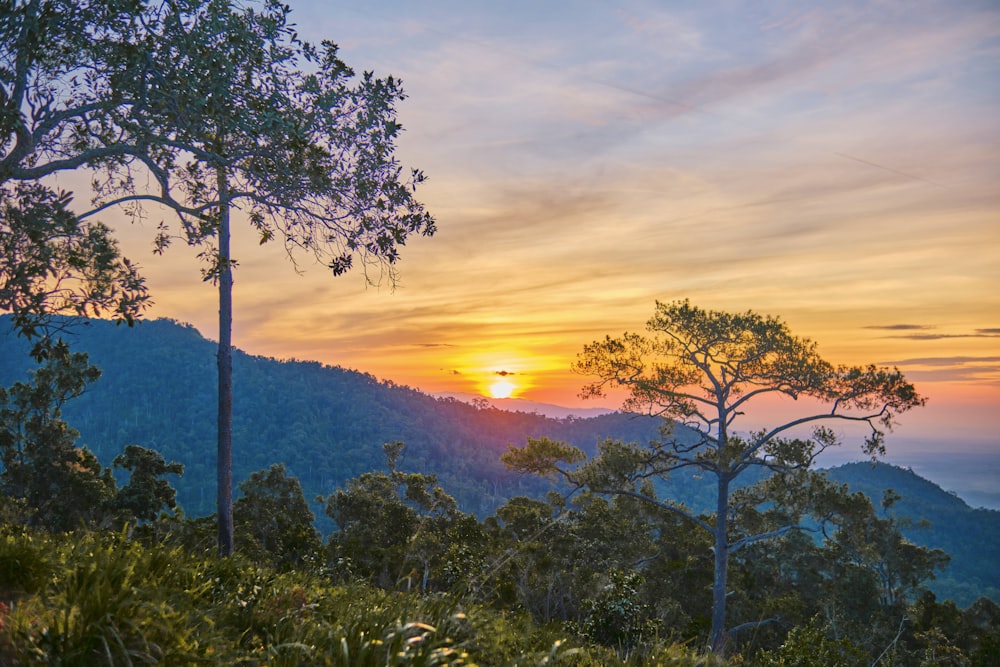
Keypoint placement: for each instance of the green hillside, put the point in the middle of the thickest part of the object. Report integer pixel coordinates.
(328, 424)
(939, 520)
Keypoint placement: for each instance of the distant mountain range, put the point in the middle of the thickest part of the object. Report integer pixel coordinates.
(328, 424)
(524, 405)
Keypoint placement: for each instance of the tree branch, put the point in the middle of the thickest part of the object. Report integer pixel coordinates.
(750, 539)
(658, 503)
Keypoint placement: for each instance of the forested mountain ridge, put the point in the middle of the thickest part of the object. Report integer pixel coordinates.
(937, 519)
(327, 425)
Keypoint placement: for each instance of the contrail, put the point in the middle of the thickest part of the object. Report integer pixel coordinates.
(895, 171)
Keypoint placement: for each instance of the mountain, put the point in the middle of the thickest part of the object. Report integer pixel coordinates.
(939, 520)
(328, 425)
(523, 405)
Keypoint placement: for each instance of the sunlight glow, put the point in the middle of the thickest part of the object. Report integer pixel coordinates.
(502, 389)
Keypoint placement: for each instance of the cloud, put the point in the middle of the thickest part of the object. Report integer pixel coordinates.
(980, 333)
(891, 170)
(958, 368)
(899, 327)
(942, 361)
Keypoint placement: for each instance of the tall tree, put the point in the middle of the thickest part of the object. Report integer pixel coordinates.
(703, 371)
(247, 118)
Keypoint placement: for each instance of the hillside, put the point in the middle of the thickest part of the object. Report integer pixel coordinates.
(939, 520)
(328, 424)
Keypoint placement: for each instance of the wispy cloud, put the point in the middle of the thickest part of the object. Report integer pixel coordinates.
(979, 333)
(583, 164)
(990, 332)
(981, 369)
(942, 361)
(899, 327)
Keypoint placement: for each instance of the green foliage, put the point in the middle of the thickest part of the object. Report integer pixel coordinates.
(104, 600)
(541, 457)
(621, 573)
(46, 480)
(112, 602)
(145, 493)
(616, 617)
(62, 59)
(392, 522)
(273, 521)
(52, 262)
(62, 486)
(26, 562)
(809, 645)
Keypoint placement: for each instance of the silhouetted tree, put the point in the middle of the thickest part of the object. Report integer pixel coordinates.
(245, 116)
(703, 370)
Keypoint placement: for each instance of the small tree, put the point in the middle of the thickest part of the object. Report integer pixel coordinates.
(390, 522)
(703, 371)
(273, 520)
(61, 485)
(146, 493)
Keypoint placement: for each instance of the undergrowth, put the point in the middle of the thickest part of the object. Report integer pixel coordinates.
(103, 599)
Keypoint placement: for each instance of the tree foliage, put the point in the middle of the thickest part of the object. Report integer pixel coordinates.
(703, 371)
(393, 527)
(62, 486)
(56, 484)
(273, 521)
(146, 493)
(61, 67)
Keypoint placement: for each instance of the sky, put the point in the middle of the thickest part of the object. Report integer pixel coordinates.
(836, 164)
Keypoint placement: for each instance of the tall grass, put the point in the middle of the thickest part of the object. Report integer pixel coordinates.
(105, 600)
(112, 602)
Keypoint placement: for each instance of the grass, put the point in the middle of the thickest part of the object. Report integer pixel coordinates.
(102, 599)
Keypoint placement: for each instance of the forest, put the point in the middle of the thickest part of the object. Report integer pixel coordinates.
(169, 500)
(512, 570)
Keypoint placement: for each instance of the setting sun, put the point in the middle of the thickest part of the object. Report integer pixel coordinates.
(502, 389)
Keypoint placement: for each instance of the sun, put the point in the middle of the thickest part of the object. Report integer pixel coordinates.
(502, 389)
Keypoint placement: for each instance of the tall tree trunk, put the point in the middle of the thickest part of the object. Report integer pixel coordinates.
(718, 636)
(225, 359)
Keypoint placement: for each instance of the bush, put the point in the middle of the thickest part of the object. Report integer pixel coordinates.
(26, 563)
(113, 603)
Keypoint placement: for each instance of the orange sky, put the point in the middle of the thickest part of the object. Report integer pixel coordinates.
(837, 166)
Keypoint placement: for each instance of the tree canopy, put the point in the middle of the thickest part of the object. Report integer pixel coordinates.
(245, 115)
(62, 63)
(702, 371)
